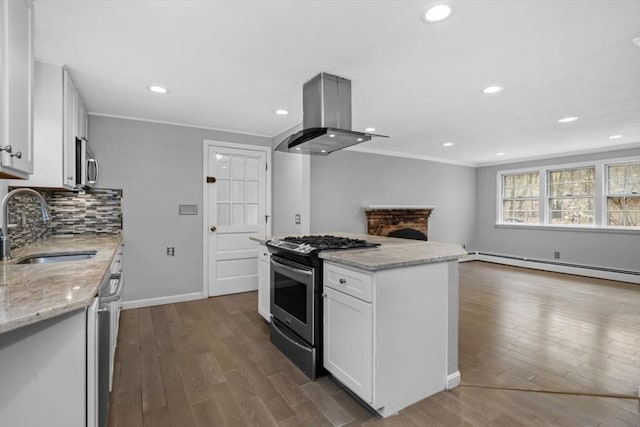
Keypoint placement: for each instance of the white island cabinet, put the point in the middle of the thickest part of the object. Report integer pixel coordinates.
(387, 332)
(264, 280)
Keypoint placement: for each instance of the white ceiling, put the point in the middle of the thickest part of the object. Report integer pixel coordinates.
(230, 64)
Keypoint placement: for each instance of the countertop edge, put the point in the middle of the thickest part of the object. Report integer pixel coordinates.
(61, 309)
(390, 265)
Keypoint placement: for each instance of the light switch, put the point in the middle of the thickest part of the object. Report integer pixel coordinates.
(297, 218)
(171, 251)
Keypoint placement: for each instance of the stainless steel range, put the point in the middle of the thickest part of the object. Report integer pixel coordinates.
(296, 290)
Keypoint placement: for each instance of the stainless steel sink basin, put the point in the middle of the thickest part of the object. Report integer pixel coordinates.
(57, 257)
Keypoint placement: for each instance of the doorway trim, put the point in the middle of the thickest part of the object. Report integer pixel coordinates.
(205, 199)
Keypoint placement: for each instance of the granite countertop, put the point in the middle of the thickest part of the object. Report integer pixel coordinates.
(31, 293)
(393, 252)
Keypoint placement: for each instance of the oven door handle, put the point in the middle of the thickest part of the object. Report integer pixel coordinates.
(287, 337)
(288, 267)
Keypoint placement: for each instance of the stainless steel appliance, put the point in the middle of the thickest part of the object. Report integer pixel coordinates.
(296, 290)
(108, 312)
(87, 169)
(326, 118)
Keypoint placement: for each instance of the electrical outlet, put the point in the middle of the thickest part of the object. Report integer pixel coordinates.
(556, 255)
(297, 218)
(171, 251)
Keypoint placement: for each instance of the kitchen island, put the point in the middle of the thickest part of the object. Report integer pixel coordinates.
(390, 319)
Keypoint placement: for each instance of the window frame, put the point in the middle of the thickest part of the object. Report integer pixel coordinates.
(600, 195)
(501, 179)
(608, 194)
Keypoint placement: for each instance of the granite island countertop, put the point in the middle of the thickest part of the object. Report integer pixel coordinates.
(31, 293)
(392, 252)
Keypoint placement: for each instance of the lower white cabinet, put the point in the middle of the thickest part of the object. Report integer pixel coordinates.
(386, 332)
(264, 280)
(43, 368)
(348, 344)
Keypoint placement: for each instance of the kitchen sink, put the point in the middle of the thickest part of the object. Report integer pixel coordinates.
(57, 257)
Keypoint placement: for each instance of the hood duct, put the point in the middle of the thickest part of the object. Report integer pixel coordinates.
(326, 121)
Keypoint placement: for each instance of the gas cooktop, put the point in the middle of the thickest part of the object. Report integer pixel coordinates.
(309, 244)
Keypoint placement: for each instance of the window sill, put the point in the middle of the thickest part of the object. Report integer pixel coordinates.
(593, 229)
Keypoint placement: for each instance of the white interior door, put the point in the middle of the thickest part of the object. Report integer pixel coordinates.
(236, 211)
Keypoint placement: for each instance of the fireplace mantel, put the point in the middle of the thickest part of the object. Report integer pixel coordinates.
(385, 219)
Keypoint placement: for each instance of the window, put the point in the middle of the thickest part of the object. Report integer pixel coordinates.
(520, 193)
(597, 194)
(572, 196)
(623, 195)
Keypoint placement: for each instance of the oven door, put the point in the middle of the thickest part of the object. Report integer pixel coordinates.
(292, 296)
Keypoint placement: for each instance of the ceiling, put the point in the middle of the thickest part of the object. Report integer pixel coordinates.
(229, 64)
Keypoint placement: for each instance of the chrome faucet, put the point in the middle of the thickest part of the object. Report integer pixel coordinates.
(4, 237)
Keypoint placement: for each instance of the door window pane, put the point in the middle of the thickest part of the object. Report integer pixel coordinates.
(223, 190)
(223, 165)
(237, 191)
(237, 217)
(237, 167)
(223, 214)
(252, 214)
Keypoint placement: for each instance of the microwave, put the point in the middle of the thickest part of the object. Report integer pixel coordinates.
(87, 170)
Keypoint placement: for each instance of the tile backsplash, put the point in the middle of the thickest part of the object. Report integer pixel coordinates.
(97, 211)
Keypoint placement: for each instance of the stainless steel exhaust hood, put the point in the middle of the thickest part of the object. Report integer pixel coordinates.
(326, 121)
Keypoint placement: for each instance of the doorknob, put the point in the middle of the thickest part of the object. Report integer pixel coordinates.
(213, 228)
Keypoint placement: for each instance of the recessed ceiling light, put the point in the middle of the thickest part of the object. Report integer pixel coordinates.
(492, 89)
(447, 144)
(369, 129)
(297, 148)
(323, 151)
(438, 11)
(615, 137)
(499, 154)
(331, 135)
(636, 41)
(158, 89)
(360, 140)
(568, 119)
(281, 112)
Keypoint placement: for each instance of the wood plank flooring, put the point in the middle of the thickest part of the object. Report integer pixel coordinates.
(546, 331)
(210, 362)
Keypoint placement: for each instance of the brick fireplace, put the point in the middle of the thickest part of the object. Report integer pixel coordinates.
(399, 221)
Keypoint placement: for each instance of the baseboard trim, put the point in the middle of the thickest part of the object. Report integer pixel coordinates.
(150, 302)
(559, 267)
(453, 380)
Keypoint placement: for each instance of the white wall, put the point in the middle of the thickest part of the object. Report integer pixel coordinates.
(345, 182)
(606, 249)
(291, 190)
(158, 167)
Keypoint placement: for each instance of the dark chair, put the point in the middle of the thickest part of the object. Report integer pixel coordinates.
(408, 233)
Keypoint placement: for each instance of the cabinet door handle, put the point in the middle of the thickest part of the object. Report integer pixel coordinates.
(213, 228)
(343, 281)
(17, 155)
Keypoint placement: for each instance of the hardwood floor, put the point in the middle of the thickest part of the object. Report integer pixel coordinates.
(546, 331)
(210, 362)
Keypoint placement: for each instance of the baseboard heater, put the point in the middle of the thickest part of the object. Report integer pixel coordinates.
(561, 267)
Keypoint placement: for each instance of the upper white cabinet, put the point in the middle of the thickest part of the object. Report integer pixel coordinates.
(59, 118)
(16, 66)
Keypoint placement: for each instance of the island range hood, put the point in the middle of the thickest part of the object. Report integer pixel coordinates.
(326, 120)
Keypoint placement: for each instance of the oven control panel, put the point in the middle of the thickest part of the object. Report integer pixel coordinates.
(301, 248)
